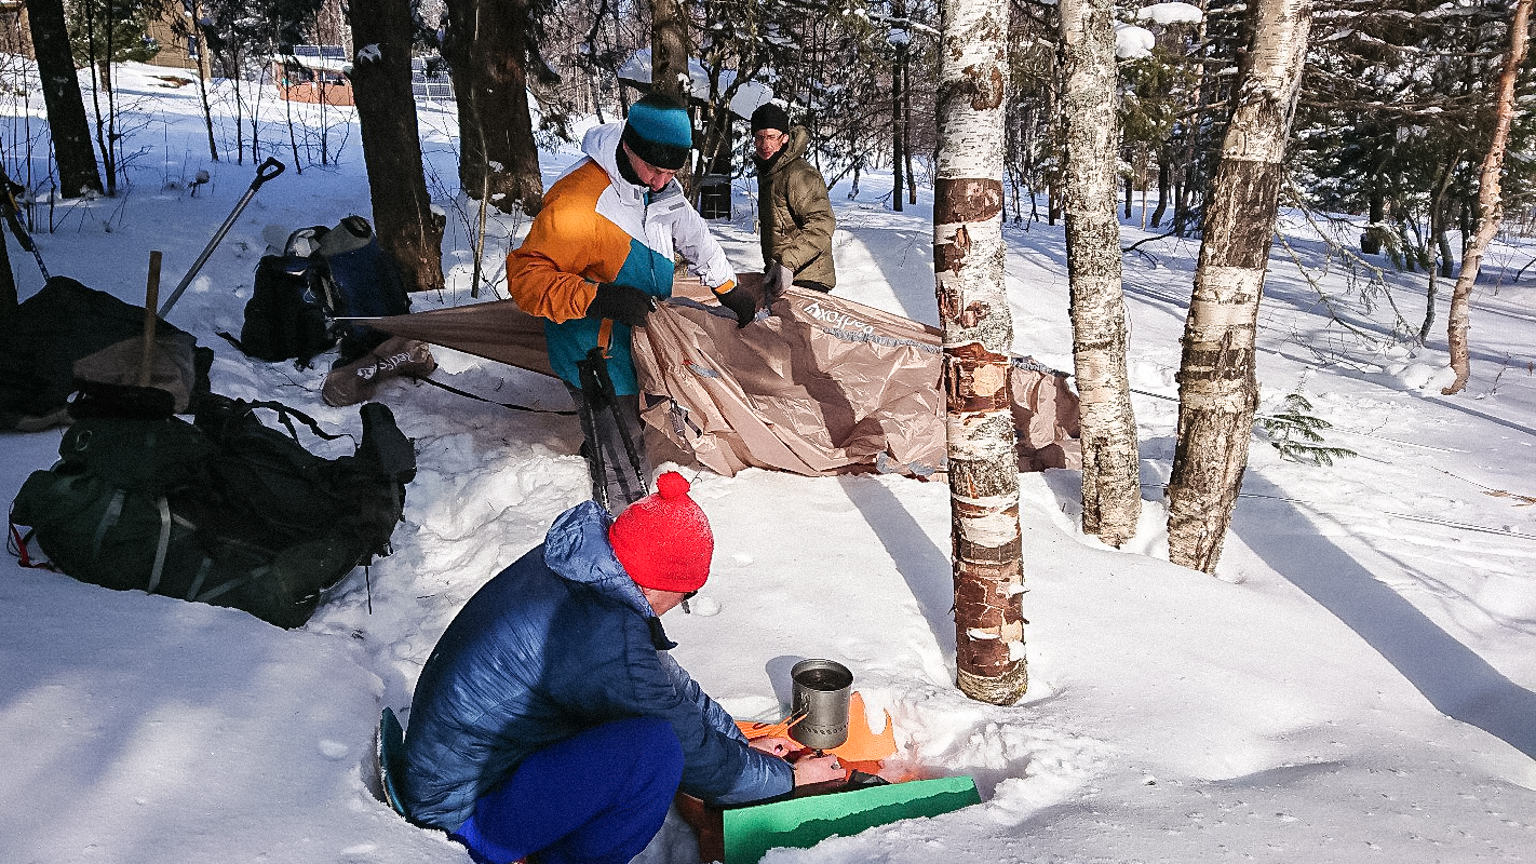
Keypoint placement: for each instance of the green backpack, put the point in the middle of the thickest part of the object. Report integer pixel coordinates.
(224, 510)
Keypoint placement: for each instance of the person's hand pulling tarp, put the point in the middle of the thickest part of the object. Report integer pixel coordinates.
(740, 301)
(622, 303)
(776, 281)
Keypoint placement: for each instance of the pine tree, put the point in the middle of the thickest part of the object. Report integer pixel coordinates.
(1297, 433)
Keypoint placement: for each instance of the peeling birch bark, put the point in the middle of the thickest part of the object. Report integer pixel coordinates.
(968, 252)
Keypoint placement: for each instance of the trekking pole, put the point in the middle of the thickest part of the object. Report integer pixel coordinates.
(267, 170)
(151, 294)
(596, 382)
(591, 373)
(12, 214)
(629, 447)
(595, 466)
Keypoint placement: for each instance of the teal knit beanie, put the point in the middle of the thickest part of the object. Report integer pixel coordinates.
(658, 130)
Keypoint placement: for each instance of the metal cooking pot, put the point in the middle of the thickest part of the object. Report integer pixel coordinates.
(821, 691)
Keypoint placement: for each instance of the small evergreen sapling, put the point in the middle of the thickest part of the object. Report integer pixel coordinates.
(1298, 435)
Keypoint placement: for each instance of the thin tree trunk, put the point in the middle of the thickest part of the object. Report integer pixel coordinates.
(907, 123)
(1218, 384)
(1489, 204)
(98, 77)
(403, 217)
(1111, 464)
(1163, 182)
(204, 73)
(670, 51)
(898, 138)
(486, 47)
(1370, 241)
(78, 174)
(978, 334)
(1437, 231)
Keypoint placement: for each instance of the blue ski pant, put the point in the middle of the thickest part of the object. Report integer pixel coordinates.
(597, 797)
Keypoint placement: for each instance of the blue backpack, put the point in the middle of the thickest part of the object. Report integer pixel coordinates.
(366, 283)
(303, 297)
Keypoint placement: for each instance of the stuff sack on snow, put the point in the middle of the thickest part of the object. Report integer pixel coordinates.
(225, 511)
(301, 297)
(66, 324)
(395, 357)
(367, 283)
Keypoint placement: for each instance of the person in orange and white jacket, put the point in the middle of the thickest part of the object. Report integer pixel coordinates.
(599, 258)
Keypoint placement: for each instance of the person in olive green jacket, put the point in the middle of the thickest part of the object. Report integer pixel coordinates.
(795, 218)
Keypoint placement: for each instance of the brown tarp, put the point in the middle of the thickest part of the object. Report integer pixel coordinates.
(496, 330)
(820, 386)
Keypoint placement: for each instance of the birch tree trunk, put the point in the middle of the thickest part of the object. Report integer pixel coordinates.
(898, 133)
(403, 217)
(61, 94)
(1489, 203)
(1218, 384)
(486, 47)
(1111, 463)
(978, 334)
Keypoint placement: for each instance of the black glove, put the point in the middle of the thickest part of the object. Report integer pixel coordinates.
(739, 301)
(622, 303)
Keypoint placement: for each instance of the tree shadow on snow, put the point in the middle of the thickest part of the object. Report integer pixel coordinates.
(1455, 680)
(924, 566)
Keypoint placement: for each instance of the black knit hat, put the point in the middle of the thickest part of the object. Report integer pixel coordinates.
(769, 116)
(658, 130)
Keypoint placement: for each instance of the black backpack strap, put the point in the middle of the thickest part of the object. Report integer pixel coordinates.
(514, 407)
(109, 519)
(202, 574)
(226, 587)
(287, 415)
(385, 445)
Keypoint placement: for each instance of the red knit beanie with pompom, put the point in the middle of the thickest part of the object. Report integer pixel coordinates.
(663, 540)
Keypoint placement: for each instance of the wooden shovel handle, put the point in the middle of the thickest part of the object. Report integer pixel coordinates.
(151, 302)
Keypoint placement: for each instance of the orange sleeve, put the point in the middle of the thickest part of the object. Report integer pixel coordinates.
(554, 274)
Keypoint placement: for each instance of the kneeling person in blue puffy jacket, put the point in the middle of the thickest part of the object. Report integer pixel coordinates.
(550, 720)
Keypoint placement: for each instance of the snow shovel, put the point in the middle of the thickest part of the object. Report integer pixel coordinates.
(267, 170)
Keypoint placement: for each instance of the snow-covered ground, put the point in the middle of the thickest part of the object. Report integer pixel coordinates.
(1355, 683)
